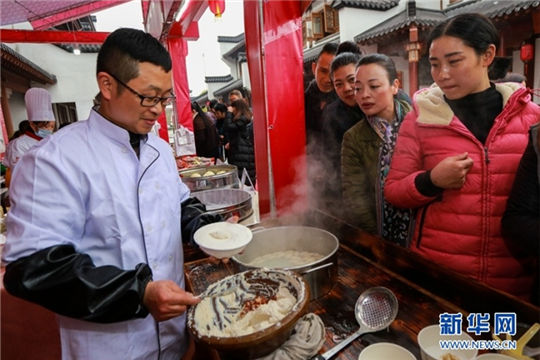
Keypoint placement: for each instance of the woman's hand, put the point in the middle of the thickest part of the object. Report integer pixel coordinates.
(451, 172)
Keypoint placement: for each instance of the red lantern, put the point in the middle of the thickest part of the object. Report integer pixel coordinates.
(527, 52)
(217, 7)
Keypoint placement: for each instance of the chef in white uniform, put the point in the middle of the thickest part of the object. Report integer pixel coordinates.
(41, 121)
(94, 229)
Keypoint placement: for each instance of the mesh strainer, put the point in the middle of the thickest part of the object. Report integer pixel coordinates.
(375, 310)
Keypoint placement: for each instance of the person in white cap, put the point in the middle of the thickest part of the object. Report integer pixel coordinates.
(41, 121)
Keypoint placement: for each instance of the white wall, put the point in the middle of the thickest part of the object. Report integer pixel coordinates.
(429, 4)
(402, 65)
(246, 82)
(17, 108)
(355, 21)
(75, 74)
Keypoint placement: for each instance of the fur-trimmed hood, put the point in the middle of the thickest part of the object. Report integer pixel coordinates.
(432, 108)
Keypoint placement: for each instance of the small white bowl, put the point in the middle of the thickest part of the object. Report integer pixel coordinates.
(385, 351)
(222, 239)
(494, 356)
(428, 340)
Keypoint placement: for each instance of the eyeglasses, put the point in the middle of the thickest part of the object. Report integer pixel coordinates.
(147, 101)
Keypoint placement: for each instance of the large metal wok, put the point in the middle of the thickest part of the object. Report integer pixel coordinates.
(320, 275)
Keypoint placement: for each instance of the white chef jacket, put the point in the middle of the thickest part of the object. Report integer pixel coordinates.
(16, 148)
(84, 186)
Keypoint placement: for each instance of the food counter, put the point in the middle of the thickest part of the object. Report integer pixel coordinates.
(423, 290)
(417, 307)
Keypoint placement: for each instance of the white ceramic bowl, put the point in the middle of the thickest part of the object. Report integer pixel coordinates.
(494, 356)
(385, 351)
(428, 340)
(222, 239)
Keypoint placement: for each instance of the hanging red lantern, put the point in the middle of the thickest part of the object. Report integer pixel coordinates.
(526, 52)
(217, 7)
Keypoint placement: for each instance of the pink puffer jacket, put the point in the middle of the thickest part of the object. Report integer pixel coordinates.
(461, 229)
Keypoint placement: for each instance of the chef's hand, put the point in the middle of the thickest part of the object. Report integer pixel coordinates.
(165, 300)
(451, 172)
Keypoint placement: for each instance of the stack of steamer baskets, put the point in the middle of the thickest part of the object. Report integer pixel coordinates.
(216, 186)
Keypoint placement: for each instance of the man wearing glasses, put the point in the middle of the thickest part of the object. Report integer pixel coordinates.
(94, 229)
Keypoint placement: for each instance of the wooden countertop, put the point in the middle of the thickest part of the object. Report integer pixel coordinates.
(356, 273)
(424, 289)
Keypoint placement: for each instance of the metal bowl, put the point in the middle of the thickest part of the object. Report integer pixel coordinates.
(226, 202)
(196, 181)
(321, 275)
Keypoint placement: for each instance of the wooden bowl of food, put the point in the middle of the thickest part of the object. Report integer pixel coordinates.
(249, 314)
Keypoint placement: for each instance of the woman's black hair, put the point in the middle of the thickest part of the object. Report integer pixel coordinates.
(348, 46)
(220, 107)
(476, 31)
(382, 60)
(343, 59)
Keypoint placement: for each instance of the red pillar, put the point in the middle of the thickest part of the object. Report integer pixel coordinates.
(413, 49)
(178, 50)
(278, 101)
(252, 25)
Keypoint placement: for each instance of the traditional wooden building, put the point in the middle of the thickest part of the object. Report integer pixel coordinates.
(399, 28)
(404, 35)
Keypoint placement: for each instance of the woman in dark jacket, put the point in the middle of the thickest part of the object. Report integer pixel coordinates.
(205, 132)
(240, 133)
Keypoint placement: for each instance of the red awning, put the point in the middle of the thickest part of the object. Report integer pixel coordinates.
(46, 14)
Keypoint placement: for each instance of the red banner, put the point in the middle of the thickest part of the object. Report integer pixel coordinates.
(282, 40)
(178, 50)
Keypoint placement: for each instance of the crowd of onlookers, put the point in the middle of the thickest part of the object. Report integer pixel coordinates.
(433, 173)
(452, 173)
(225, 132)
(99, 212)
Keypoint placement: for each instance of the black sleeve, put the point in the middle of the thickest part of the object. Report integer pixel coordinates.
(521, 220)
(425, 186)
(194, 216)
(68, 283)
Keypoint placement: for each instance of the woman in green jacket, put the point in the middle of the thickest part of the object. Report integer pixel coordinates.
(367, 150)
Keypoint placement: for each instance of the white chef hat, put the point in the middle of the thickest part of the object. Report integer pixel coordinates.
(38, 105)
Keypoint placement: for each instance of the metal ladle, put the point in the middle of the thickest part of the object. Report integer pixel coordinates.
(375, 310)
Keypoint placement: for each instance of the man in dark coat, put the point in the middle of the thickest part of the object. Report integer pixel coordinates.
(319, 92)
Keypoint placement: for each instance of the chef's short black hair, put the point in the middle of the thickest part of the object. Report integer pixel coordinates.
(125, 48)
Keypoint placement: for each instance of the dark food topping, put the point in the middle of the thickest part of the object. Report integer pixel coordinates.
(251, 305)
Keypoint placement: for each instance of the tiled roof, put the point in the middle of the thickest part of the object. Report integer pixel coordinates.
(238, 48)
(218, 79)
(429, 18)
(494, 8)
(201, 99)
(423, 18)
(231, 39)
(312, 53)
(366, 4)
(85, 48)
(236, 84)
(13, 61)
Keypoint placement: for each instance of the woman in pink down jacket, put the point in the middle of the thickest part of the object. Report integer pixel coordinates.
(457, 154)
